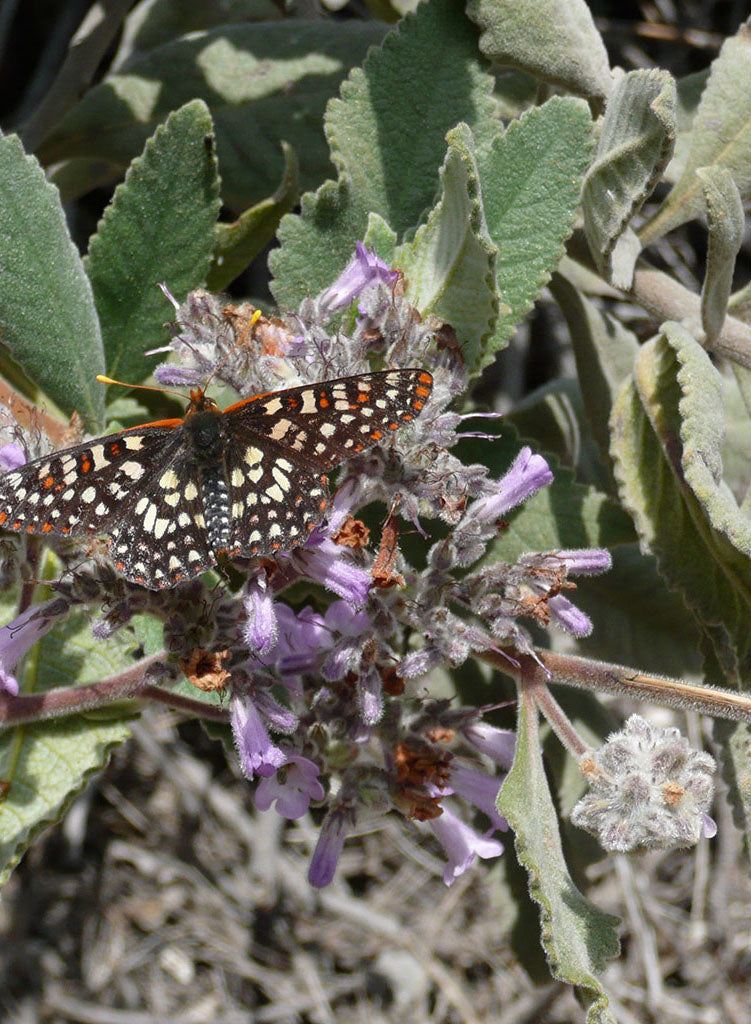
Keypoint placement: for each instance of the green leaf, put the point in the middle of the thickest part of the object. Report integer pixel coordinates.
(47, 312)
(668, 434)
(236, 245)
(553, 419)
(578, 937)
(554, 40)
(604, 350)
(531, 180)
(720, 136)
(262, 83)
(152, 23)
(736, 453)
(387, 136)
(48, 763)
(450, 265)
(688, 94)
(380, 238)
(636, 142)
(158, 227)
(726, 223)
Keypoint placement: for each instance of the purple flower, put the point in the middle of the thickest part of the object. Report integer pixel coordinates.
(709, 827)
(280, 719)
(568, 616)
(347, 630)
(11, 457)
(527, 475)
(301, 639)
(461, 844)
(498, 744)
(18, 636)
(173, 375)
(370, 696)
(362, 271)
(325, 562)
(293, 787)
(337, 824)
(479, 789)
(585, 561)
(261, 632)
(258, 755)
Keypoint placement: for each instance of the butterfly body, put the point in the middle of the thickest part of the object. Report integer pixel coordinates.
(176, 495)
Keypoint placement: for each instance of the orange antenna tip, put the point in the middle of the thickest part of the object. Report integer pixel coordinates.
(141, 387)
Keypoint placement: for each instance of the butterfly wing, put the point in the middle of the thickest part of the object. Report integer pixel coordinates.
(274, 500)
(320, 425)
(85, 488)
(134, 486)
(281, 445)
(161, 538)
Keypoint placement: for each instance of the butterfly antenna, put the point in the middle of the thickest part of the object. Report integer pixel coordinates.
(141, 387)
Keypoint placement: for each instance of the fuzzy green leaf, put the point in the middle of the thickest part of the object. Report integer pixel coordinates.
(380, 238)
(262, 83)
(47, 315)
(553, 419)
(668, 435)
(236, 245)
(388, 140)
(48, 763)
(554, 40)
(531, 180)
(726, 224)
(152, 23)
(450, 265)
(637, 619)
(605, 352)
(736, 453)
(688, 95)
(578, 937)
(158, 227)
(721, 136)
(636, 142)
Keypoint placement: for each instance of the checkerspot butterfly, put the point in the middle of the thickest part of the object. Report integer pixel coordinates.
(175, 495)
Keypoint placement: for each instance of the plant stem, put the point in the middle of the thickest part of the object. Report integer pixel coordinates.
(70, 700)
(572, 670)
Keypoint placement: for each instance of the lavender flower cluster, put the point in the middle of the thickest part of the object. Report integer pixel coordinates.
(331, 708)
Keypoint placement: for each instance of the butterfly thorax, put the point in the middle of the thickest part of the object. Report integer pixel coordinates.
(204, 429)
(207, 444)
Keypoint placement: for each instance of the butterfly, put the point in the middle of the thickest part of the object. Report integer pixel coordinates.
(177, 495)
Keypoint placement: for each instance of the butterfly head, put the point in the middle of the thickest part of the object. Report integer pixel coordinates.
(200, 402)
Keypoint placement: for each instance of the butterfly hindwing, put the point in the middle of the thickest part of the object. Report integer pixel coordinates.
(274, 499)
(163, 539)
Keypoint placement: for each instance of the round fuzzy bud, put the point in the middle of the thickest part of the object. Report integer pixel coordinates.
(647, 790)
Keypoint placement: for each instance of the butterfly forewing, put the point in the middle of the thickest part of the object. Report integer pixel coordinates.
(173, 496)
(86, 488)
(324, 423)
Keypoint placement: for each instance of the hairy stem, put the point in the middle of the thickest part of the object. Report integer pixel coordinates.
(572, 670)
(70, 700)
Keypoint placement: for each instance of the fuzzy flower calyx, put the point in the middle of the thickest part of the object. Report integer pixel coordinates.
(648, 790)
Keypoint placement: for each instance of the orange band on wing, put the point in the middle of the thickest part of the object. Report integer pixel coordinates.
(252, 398)
(156, 423)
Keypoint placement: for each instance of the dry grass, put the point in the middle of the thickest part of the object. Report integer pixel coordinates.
(165, 897)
